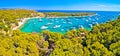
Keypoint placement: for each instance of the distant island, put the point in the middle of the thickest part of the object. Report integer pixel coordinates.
(63, 14)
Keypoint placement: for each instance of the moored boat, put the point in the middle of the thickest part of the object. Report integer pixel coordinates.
(43, 27)
(56, 26)
(40, 20)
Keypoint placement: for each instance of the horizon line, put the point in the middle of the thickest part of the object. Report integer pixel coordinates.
(58, 9)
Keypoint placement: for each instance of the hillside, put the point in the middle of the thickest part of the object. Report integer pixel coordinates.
(102, 40)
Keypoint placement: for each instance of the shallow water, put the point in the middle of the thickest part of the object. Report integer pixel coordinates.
(64, 24)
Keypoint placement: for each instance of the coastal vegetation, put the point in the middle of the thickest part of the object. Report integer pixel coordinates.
(10, 19)
(102, 40)
(61, 14)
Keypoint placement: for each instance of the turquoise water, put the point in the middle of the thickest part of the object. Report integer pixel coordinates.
(64, 24)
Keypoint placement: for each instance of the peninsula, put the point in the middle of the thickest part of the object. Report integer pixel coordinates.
(68, 14)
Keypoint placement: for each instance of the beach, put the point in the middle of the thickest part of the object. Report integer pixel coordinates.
(22, 22)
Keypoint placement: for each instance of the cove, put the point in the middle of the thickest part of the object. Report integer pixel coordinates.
(63, 24)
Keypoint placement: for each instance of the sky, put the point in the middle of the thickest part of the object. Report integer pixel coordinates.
(100, 5)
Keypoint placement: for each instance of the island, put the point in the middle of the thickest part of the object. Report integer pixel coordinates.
(68, 14)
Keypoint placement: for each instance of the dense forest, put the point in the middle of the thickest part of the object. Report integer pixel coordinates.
(102, 40)
(10, 19)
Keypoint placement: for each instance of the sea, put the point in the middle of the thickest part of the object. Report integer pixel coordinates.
(64, 24)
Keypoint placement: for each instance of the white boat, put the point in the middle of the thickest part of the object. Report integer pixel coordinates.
(70, 22)
(43, 27)
(90, 25)
(83, 18)
(40, 20)
(97, 18)
(57, 21)
(56, 26)
(62, 19)
(73, 28)
(77, 19)
(64, 22)
(97, 23)
(48, 24)
(34, 23)
(79, 26)
(82, 27)
(52, 20)
(62, 29)
(87, 20)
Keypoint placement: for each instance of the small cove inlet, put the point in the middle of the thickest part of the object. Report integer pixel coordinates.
(64, 24)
